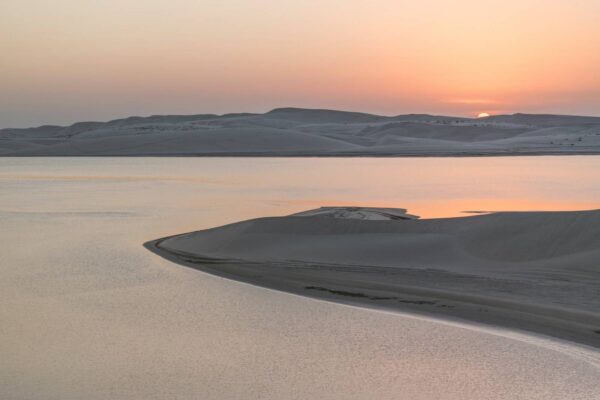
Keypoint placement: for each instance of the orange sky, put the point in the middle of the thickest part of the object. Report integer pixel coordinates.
(70, 60)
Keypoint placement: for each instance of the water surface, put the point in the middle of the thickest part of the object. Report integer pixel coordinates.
(87, 312)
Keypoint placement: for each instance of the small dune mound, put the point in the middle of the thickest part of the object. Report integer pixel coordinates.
(370, 213)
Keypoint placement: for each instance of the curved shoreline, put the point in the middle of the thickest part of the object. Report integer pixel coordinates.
(305, 279)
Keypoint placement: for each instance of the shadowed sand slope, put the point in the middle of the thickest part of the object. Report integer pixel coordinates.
(529, 270)
(297, 132)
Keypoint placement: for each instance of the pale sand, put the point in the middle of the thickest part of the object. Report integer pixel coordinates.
(294, 132)
(534, 271)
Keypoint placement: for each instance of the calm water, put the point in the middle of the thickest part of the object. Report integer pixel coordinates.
(87, 312)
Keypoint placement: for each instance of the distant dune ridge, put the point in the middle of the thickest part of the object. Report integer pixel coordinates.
(529, 270)
(310, 132)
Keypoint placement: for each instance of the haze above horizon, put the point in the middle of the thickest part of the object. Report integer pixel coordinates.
(72, 61)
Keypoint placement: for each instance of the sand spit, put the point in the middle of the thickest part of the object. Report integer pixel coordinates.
(296, 132)
(533, 271)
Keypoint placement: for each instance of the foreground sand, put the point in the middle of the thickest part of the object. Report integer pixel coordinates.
(535, 271)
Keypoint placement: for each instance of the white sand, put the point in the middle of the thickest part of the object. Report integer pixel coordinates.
(297, 132)
(537, 271)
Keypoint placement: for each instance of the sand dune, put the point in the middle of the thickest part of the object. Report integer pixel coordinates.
(296, 132)
(529, 270)
(207, 141)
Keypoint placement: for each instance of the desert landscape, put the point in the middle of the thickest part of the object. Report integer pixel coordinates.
(311, 132)
(292, 199)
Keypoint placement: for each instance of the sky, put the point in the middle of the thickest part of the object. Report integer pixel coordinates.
(65, 61)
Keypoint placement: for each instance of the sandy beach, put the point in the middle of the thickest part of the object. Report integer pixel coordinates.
(532, 271)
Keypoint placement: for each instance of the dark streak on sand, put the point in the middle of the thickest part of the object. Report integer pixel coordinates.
(350, 294)
(355, 294)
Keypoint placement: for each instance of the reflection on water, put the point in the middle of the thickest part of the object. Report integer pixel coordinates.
(234, 188)
(87, 312)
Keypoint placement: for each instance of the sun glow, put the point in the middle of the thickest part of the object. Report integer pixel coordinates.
(483, 115)
(445, 58)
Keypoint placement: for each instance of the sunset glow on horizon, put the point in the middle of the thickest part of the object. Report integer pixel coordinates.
(71, 60)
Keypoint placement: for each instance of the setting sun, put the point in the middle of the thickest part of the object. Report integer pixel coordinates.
(483, 115)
